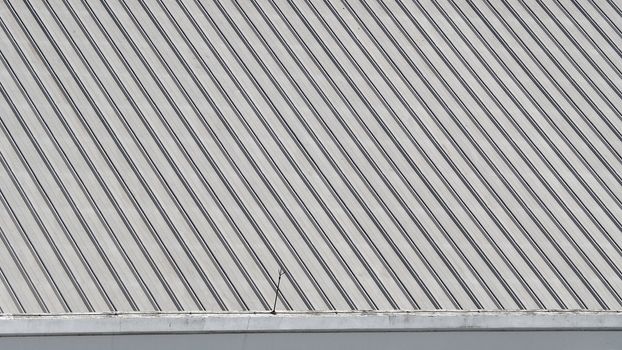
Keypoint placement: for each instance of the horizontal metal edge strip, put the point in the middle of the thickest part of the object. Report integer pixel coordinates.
(89, 324)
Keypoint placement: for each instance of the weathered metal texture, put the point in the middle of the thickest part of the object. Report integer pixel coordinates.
(467, 330)
(173, 155)
(78, 324)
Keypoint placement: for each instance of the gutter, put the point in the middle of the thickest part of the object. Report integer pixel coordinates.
(306, 322)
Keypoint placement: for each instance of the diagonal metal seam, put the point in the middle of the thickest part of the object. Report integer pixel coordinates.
(116, 172)
(544, 159)
(534, 147)
(233, 164)
(388, 155)
(152, 133)
(59, 114)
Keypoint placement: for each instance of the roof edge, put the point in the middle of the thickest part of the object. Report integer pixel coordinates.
(295, 322)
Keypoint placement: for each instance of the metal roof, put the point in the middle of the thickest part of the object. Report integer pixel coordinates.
(434, 154)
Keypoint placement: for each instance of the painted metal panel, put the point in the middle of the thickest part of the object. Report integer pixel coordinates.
(369, 330)
(390, 155)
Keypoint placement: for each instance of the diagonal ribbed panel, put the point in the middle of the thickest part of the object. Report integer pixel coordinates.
(174, 155)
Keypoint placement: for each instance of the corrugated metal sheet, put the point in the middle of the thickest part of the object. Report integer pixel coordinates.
(173, 155)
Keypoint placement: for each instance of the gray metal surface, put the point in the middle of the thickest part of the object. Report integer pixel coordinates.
(572, 340)
(307, 330)
(76, 324)
(173, 155)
